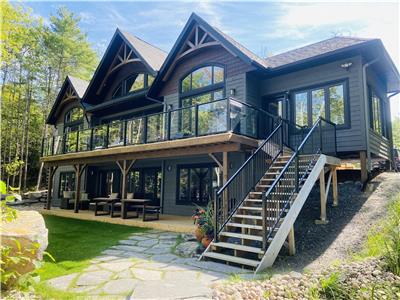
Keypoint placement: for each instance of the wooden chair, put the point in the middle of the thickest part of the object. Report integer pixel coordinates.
(67, 201)
(117, 206)
(102, 205)
(151, 210)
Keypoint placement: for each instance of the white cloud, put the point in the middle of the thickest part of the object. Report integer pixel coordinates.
(306, 22)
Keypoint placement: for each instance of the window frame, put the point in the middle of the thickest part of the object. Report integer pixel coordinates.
(206, 89)
(76, 123)
(382, 115)
(60, 192)
(124, 87)
(325, 86)
(178, 173)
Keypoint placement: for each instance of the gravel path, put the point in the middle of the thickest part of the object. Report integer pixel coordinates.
(320, 245)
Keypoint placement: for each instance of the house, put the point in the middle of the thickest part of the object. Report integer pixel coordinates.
(176, 127)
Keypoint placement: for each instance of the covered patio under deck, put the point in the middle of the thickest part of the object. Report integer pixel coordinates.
(215, 147)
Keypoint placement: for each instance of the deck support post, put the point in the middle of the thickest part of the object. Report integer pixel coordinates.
(224, 180)
(291, 242)
(125, 166)
(220, 166)
(79, 168)
(52, 171)
(323, 196)
(363, 165)
(334, 187)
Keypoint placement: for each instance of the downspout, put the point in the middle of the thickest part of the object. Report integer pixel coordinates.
(366, 110)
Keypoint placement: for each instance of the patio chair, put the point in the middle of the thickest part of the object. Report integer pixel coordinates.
(67, 201)
(84, 201)
(117, 206)
(105, 206)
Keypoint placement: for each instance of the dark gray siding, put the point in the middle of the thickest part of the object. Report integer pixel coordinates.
(351, 139)
(235, 73)
(379, 145)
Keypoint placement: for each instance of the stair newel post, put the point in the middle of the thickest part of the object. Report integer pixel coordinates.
(281, 129)
(216, 216)
(320, 135)
(264, 222)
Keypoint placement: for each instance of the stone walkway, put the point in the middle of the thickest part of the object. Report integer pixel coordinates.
(145, 266)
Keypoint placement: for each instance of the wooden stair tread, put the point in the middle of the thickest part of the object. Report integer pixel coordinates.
(238, 247)
(252, 217)
(242, 236)
(241, 225)
(230, 258)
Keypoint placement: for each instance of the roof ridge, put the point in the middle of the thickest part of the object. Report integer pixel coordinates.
(142, 40)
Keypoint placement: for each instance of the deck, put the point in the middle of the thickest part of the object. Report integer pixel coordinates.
(181, 224)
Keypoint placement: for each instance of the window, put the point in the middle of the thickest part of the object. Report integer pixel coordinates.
(196, 184)
(133, 84)
(145, 183)
(211, 77)
(73, 120)
(328, 101)
(67, 182)
(376, 114)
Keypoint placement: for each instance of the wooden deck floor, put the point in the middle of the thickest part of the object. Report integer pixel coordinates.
(182, 224)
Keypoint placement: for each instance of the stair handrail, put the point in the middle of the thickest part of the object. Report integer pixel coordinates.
(275, 135)
(298, 180)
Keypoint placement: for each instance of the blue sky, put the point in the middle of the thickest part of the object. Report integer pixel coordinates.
(264, 27)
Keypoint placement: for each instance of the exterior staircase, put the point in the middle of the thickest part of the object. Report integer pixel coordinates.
(253, 217)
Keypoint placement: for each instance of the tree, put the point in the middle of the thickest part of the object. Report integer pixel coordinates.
(396, 132)
(36, 58)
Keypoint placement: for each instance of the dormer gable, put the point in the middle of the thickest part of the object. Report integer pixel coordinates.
(126, 56)
(70, 95)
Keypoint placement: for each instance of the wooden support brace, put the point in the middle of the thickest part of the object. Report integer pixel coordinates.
(335, 187)
(322, 195)
(291, 242)
(52, 170)
(79, 168)
(224, 180)
(125, 166)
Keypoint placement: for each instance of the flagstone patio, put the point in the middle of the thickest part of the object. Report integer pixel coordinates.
(146, 267)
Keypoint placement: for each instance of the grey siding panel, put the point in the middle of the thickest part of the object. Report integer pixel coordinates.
(238, 83)
(253, 85)
(379, 145)
(351, 139)
(233, 66)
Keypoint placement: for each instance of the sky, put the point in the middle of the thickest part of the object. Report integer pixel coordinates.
(265, 27)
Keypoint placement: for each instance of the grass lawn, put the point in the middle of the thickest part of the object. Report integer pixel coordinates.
(73, 243)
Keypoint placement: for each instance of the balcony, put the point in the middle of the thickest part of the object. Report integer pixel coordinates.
(201, 120)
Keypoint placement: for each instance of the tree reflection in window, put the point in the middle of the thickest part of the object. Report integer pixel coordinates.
(133, 84)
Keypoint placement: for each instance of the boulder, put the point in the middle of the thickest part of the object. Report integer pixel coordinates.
(30, 231)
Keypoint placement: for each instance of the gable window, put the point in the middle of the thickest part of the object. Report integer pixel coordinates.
(203, 85)
(326, 101)
(196, 183)
(73, 119)
(133, 84)
(377, 120)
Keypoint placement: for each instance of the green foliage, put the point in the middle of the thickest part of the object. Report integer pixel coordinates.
(12, 168)
(396, 132)
(384, 239)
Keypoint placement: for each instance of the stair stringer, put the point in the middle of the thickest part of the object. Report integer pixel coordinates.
(284, 229)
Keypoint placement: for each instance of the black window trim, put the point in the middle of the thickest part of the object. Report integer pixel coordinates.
(73, 123)
(382, 113)
(188, 166)
(123, 86)
(60, 193)
(205, 89)
(323, 85)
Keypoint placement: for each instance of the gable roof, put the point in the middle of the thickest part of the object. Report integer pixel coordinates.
(78, 86)
(151, 54)
(325, 47)
(151, 57)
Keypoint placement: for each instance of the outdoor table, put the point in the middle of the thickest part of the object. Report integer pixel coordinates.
(138, 202)
(99, 200)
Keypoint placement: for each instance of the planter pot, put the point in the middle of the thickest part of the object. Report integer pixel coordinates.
(198, 233)
(206, 241)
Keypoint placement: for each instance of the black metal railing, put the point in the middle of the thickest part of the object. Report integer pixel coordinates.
(232, 194)
(320, 139)
(198, 120)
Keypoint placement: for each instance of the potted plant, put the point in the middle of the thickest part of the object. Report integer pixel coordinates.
(203, 220)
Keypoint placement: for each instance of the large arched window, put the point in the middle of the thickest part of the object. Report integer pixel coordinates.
(133, 84)
(73, 119)
(203, 85)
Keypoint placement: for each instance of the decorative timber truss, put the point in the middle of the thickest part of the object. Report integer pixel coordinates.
(125, 55)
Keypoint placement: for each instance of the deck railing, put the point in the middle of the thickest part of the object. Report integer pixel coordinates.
(226, 115)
